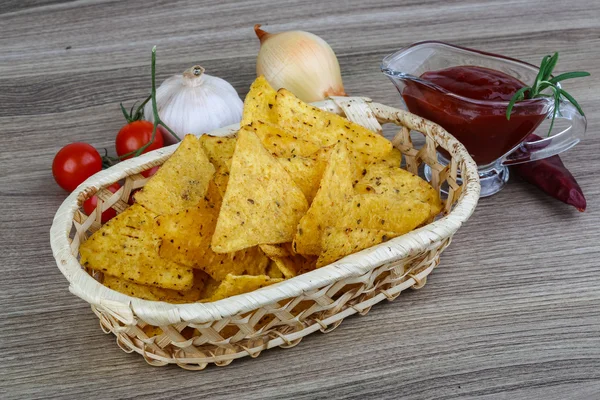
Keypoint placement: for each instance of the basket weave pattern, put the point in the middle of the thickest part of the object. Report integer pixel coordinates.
(195, 335)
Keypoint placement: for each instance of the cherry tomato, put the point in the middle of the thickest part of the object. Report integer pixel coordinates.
(149, 172)
(74, 163)
(90, 204)
(136, 134)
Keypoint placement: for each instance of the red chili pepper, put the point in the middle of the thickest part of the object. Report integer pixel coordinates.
(551, 176)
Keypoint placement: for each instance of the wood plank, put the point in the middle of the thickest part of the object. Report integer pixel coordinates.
(513, 311)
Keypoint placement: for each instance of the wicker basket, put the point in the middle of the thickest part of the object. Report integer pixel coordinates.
(194, 335)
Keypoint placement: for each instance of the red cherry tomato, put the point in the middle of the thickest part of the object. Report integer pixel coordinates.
(74, 163)
(149, 172)
(90, 204)
(136, 134)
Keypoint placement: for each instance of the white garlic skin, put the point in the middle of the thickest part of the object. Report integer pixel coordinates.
(301, 62)
(196, 103)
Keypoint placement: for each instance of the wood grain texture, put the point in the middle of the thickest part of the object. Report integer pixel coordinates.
(512, 313)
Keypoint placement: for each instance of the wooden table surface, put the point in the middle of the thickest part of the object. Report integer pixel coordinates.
(512, 313)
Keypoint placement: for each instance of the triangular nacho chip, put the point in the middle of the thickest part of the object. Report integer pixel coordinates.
(221, 180)
(239, 284)
(186, 238)
(262, 203)
(275, 250)
(155, 293)
(259, 103)
(339, 242)
(186, 235)
(387, 179)
(334, 191)
(219, 150)
(325, 128)
(127, 247)
(210, 286)
(285, 264)
(306, 172)
(383, 212)
(394, 158)
(282, 143)
(288, 266)
(181, 182)
(273, 271)
(251, 261)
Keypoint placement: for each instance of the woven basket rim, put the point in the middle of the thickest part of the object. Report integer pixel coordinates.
(127, 308)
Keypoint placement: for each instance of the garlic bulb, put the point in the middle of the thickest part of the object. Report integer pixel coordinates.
(301, 62)
(196, 103)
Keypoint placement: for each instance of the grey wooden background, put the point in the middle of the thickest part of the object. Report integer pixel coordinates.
(512, 313)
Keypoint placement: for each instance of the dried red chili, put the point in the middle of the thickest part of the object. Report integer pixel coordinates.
(552, 177)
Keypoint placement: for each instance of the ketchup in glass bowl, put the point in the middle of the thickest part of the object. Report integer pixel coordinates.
(467, 92)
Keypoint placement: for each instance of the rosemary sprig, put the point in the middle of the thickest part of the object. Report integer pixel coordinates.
(543, 81)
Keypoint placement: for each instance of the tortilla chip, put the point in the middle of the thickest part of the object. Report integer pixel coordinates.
(306, 172)
(210, 286)
(383, 212)
(251, 261)
(282, 143)
(127, 247)
(308, 264)
(334, 191)
(286, 264)
(364, 160)
(158, 294)
(386, 179)
(273, 271)
(259, 104)
(283, 260)
(339, 242)
(262, 203)
(221, 180)
(325, 128)
(151, 331)
(219, 150)
(394, 158)
(181, 182)
(238, 284)
(186, 235)
(274, 250)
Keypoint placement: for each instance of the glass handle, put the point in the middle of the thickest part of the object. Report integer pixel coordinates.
(539, 145)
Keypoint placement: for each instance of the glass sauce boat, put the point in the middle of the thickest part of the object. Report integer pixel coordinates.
(481, 125)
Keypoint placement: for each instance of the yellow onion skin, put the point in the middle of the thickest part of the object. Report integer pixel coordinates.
(301, 62)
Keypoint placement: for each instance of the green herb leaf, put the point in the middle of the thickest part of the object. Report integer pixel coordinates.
(131, 110)
(519, 95)
(544, 81)
(540, 75)
(543, 86)
(556, 107)
(550, 67)
(124, 111)
(572, 100)
(569, 75)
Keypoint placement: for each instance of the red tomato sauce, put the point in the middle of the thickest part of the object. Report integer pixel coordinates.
(481, 124)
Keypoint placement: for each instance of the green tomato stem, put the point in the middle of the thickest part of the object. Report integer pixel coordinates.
(157, 120)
